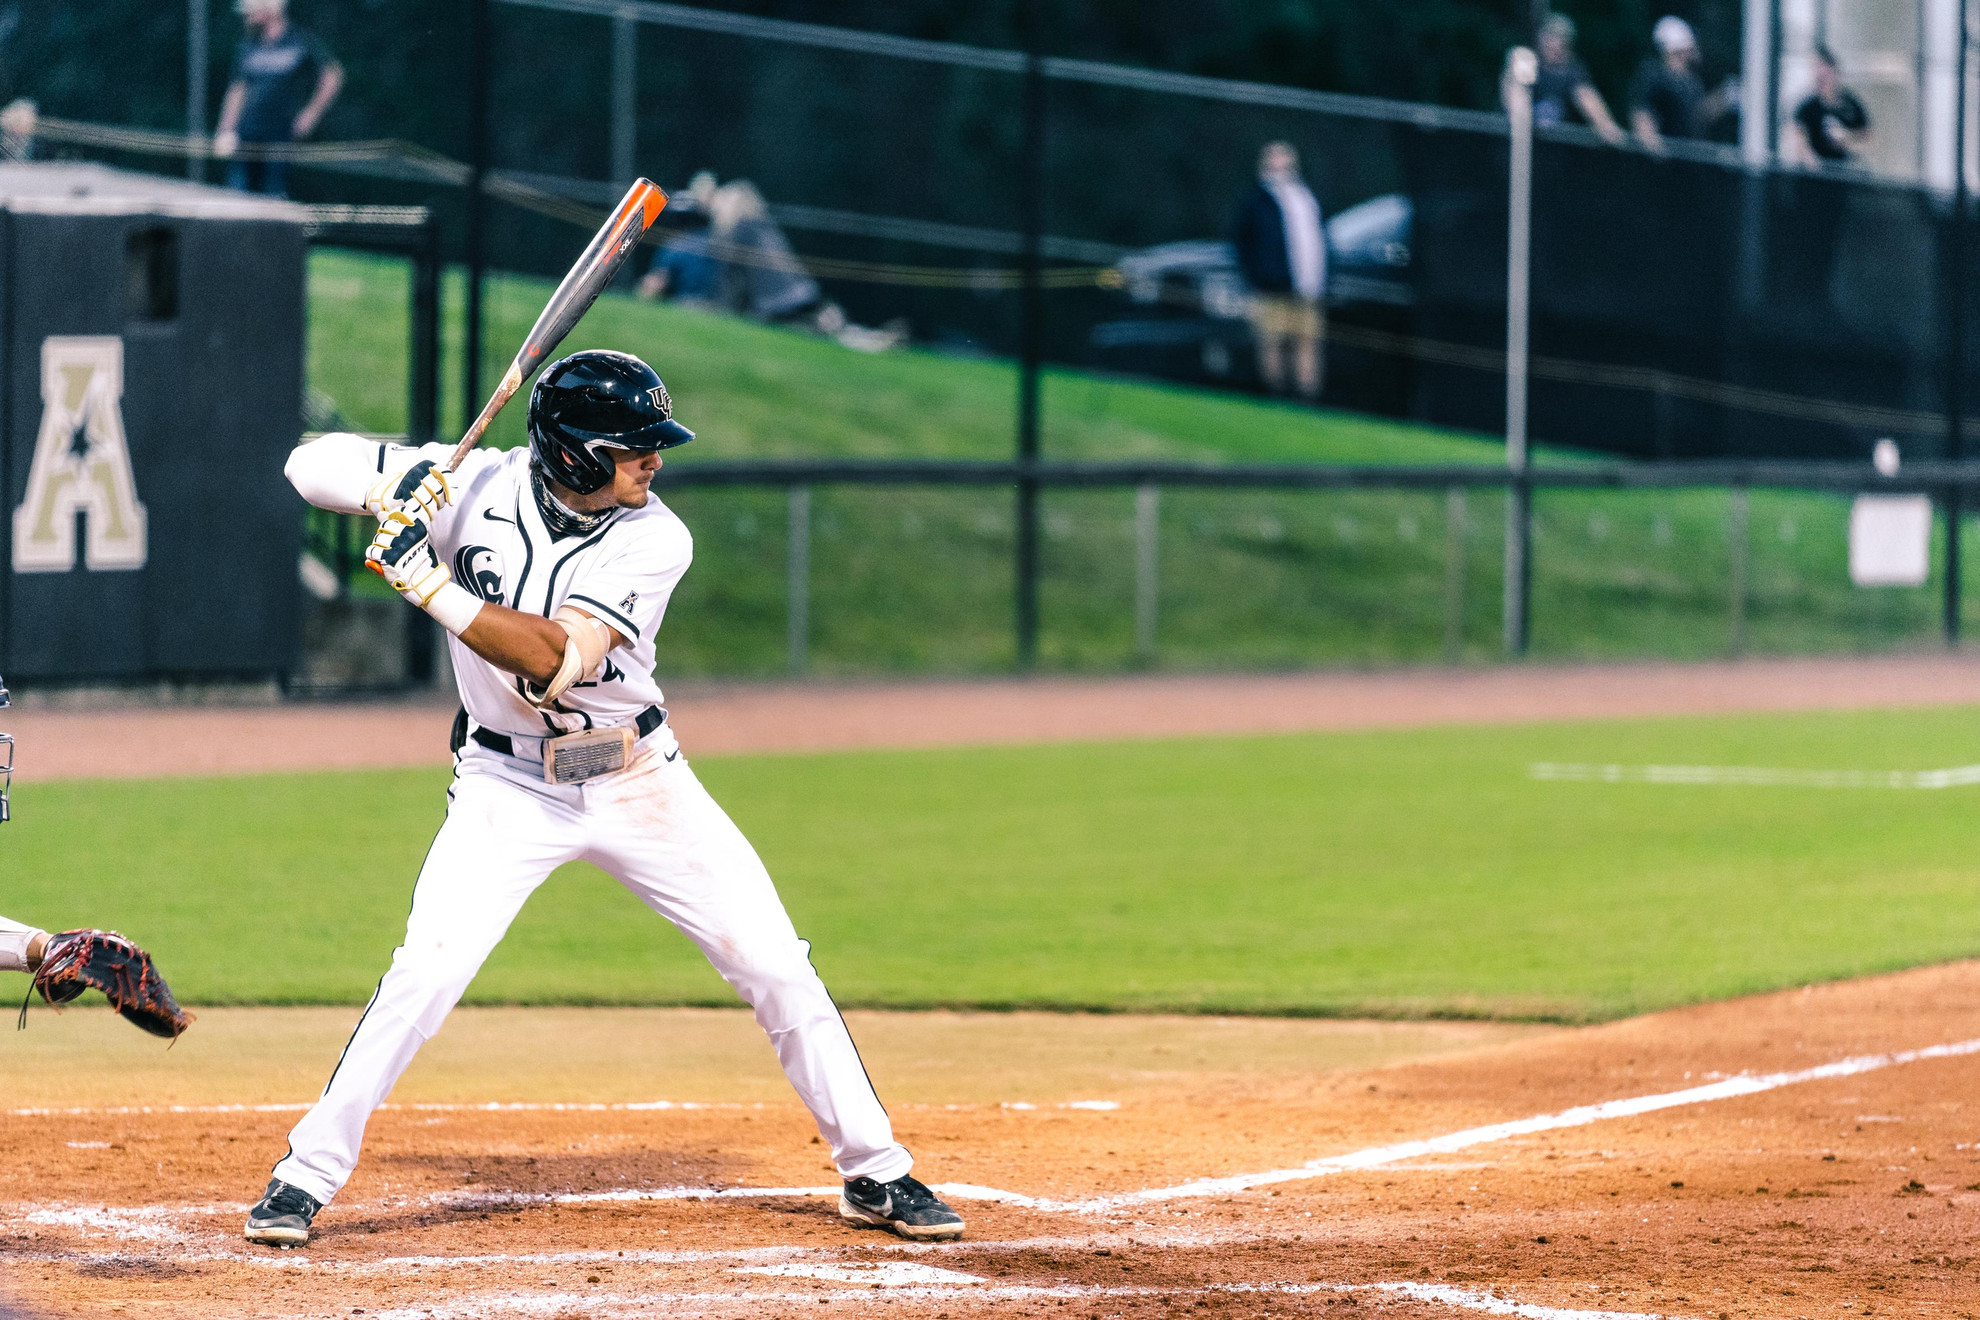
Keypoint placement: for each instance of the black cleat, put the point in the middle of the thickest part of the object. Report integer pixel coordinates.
(903, 1205)
(282, 1217)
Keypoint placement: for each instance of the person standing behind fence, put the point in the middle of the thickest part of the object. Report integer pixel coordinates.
(17, 124)
(1282, 253)
(265, 105)
(1830, 125)
(1667, 99)
(1562, 93)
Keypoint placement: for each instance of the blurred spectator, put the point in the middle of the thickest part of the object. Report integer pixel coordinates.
(265, 105)
(686, 267)
(1282, 253)
(736, 257)
(1831, 124)
(766, 279)
(17, 124)
(1667, 98)
(1563, 93)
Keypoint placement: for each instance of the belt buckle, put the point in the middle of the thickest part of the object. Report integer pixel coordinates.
(573, 758)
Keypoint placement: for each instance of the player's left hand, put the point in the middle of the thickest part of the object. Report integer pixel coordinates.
(402, 553)
(422, 490)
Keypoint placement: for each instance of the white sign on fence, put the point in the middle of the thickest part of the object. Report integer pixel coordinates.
(1890, 540)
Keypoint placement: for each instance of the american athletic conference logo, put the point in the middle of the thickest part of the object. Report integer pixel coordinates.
(478, 570)
(81, 464)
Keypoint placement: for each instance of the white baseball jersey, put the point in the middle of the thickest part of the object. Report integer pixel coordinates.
(622, 573)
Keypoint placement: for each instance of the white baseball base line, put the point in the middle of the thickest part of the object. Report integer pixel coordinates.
(489, 1107)
(674, 1303)
(142, 1223)
(1753, 776)
(1374, 1157)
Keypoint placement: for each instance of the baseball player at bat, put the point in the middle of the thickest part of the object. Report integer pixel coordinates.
(550, 567)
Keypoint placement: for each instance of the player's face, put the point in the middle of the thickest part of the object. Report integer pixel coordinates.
(632, 473)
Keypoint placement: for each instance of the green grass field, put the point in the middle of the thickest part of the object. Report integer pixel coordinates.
(920, 580)
(1396, 873)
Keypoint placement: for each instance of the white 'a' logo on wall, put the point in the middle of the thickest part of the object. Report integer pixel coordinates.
(81, 464)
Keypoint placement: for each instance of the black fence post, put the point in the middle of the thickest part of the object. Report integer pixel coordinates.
(480, 42)
(1031, 172)
(423, 417)
(7, 495)
(1955, 287)
(423, 370)
(1518, 623)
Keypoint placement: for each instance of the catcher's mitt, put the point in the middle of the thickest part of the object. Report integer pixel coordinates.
(79, 960)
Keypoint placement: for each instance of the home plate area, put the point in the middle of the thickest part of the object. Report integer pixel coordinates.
(1801, 1154)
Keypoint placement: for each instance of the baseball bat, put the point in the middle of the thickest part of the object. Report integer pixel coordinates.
(582, 284)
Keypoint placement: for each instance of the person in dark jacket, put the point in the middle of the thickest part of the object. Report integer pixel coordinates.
(1830, 124)
(1667, 98)
(284, 81)
(1282, 253)
(1563, 93)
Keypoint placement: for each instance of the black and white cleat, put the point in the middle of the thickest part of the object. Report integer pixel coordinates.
(281, 1218)
(904, 1206)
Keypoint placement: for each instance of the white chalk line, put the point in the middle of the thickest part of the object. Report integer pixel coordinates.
(1374, 1157)
(915, 1280)
(161, 1233)
(873, 1273)
(133, 1225)
(495, 1107)
(1753, 776)
(671, 1304)
(296, 1107)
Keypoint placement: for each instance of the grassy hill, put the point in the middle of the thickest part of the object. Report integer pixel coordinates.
(920, 580)
(751, 391)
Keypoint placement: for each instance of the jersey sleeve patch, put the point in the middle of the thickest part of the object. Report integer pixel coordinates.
(619, 616)
(630, 587)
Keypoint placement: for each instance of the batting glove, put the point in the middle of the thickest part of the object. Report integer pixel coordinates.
(422, 490)
(402, 554)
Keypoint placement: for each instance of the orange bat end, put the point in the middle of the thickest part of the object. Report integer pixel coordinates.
(652, 203)
(375, 567)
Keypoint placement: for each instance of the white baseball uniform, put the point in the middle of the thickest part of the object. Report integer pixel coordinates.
(651, 826)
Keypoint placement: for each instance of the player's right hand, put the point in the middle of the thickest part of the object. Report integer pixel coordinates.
(421, 491)
(402, 553)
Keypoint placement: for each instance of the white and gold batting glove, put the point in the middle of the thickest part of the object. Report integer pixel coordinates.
(402, 553)
(422, 490)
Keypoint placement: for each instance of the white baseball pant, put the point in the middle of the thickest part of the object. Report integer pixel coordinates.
(655, 829)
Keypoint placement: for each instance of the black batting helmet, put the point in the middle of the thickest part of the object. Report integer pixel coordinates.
(595, 400)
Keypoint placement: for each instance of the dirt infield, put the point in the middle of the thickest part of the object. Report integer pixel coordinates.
(61, 743)
(1805, 1154)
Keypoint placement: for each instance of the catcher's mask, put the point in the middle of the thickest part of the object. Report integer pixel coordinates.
(6, 758)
